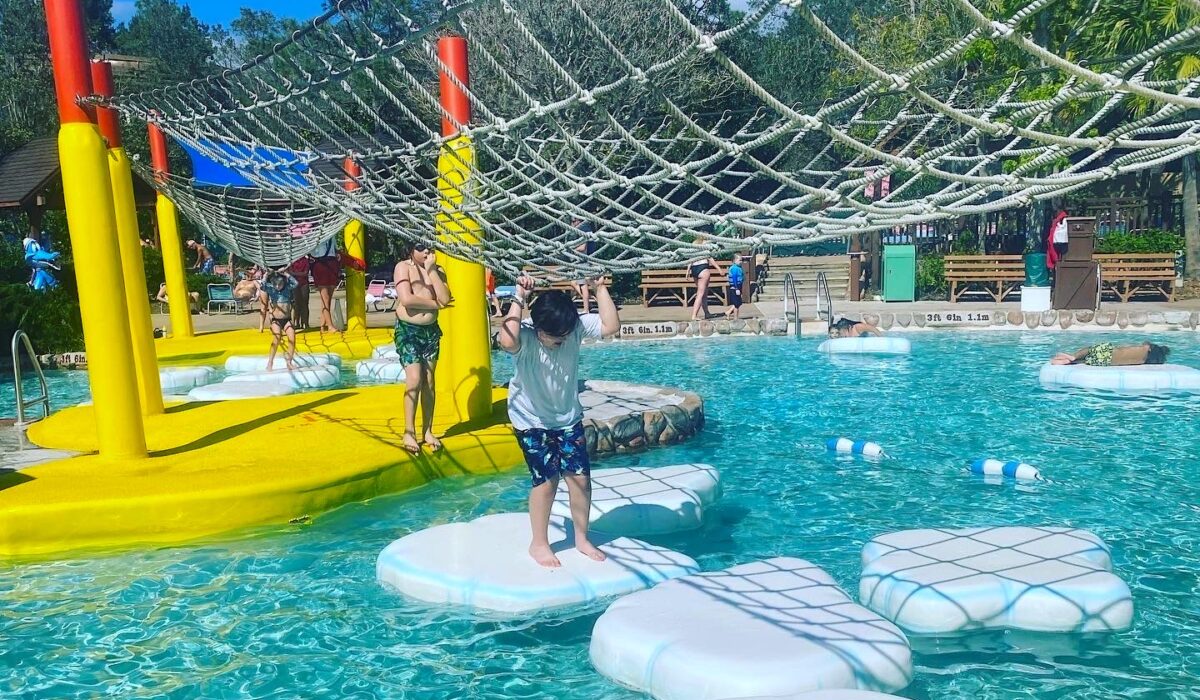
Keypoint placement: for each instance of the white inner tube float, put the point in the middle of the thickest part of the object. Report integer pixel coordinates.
(258, 363)
(866, 345)
(1128, 379)
(180, 380)
(380, 370)
(317, 377)
(226, 391)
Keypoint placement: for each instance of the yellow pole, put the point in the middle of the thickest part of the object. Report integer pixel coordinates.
(92, 224)
(356, 249)
(171, 245)
(136, 296)
(468, 374)
(466, 370)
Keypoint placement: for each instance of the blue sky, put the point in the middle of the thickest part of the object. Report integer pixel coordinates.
(222, 11)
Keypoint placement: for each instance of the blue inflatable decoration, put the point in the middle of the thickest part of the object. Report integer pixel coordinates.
(40, 262)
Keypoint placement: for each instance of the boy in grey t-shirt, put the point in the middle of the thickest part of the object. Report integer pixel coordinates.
(543, 404)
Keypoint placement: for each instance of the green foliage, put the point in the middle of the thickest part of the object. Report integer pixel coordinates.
(51, 318)
(966, 243)
(931, 277)
(1148, 241)
(626, 289)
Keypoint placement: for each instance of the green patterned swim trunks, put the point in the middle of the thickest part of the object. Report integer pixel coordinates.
(417, 343)
(1099, 355)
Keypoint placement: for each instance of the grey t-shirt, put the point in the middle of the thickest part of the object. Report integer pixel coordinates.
(544, 390)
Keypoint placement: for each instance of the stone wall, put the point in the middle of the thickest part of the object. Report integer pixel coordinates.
(621, 417)
(1053, 319)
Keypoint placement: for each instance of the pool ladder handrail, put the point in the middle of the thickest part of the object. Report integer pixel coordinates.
(19, 340)
(791, 295)
(824, 299)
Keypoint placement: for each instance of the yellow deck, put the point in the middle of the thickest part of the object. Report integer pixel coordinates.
(214, 347)
(217, 467)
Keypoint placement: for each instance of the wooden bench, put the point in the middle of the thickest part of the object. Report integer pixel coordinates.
(675, 287)
(1127, 274)
(563, 285)
(980, 273)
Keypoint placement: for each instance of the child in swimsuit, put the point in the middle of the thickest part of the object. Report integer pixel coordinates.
(279, 289)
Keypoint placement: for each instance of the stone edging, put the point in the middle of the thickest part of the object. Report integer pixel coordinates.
(1031, 320)
(620, 417)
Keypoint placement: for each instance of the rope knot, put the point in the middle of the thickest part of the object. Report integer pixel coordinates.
(707, 44)
(587, 97)
(1000, 30)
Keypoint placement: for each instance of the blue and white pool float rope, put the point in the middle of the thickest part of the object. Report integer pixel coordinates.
(1011, 469)
(846, 446)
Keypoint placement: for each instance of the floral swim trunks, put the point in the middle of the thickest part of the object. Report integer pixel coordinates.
(551, 453)
(1099, 355)
(417, 343)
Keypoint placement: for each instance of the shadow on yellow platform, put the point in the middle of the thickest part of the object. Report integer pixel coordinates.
(218, 467)
(214, 347)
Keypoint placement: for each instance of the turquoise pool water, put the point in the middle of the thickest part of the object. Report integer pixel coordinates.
(296, 611)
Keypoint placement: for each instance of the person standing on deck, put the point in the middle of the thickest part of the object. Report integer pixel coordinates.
(543, 404)
(421, 292)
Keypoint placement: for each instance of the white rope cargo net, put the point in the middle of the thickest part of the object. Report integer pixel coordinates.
(580, 110)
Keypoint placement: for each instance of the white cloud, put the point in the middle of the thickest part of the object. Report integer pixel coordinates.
(122, 10)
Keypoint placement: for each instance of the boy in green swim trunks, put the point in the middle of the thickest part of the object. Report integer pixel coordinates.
(1109, 355)
(421, 292)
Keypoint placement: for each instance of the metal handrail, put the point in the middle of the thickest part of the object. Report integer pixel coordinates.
(791, 295)
(20, 338)
(824, 299)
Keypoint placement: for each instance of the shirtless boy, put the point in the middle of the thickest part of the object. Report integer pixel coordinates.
(421, 292)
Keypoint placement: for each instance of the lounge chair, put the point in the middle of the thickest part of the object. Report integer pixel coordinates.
(221, 295)
(378, 291)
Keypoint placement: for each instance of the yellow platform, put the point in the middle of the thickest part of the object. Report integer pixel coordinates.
(218, 467)
(214, 347)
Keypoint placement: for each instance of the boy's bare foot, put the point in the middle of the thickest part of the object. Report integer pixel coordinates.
(410, 444)
(543, 555)
(433, 442)
(589, 550)
(291, 365)
(270, 366)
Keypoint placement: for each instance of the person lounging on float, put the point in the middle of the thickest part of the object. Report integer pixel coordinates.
(1109, 355)
(544, 408)
(845, 328)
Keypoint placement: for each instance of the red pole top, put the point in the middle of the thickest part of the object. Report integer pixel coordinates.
(69, 57)
(353, 172)
(106, 117)
(452, 51)
(158, 149)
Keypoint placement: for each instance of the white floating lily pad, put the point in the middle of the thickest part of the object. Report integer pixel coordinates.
(258, 363)
(770, 628)
(648, 500)
(380, 370)
(225, 391)
(1048, 579)
(385, 352)
(866, 345)
(485, 564)
(1127, 379)
(180, 380)
(314, 377)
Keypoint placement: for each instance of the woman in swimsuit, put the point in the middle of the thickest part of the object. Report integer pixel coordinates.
(701, 270)
(845, 328)
(278, 290)
(1109, 355)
